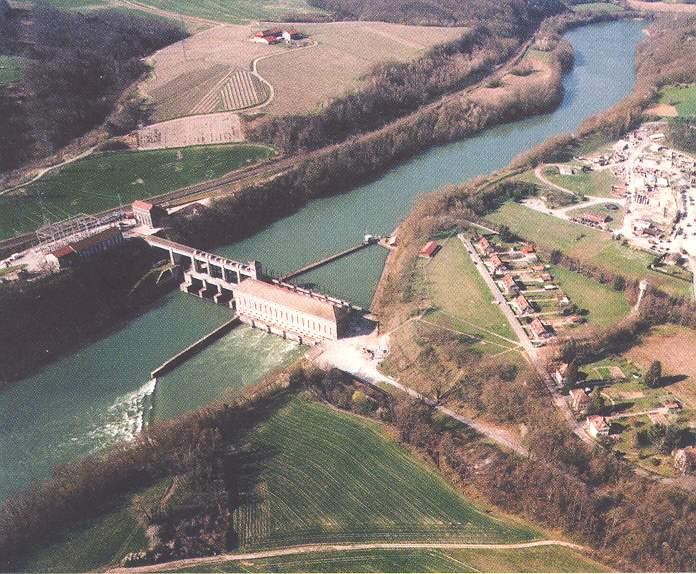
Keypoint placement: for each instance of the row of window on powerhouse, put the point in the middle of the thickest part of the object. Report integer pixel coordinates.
(279, 315)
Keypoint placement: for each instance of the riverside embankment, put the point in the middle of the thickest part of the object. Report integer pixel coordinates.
(99, 395)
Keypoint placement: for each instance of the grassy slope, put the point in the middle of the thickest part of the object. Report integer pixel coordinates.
(597, 183)
(605, 305)
(330, 477)
(462, 297)
(550, 559)
(97, 542)
(237, 11)
(684, 99)
(95, 183)
(10, 69)
(585, 244)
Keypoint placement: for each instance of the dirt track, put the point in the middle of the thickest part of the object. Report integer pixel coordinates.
(315, 548)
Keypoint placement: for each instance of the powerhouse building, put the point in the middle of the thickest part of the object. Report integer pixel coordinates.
(290, 313)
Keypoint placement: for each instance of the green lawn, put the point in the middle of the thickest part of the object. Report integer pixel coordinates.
(462, 298)
(684, 99)
(104, 180)
(585, 244)
(549, 559)
(238, 11)
(11, 68)
(97, 542)
(597, 7)
(596, 183)
(325, 476)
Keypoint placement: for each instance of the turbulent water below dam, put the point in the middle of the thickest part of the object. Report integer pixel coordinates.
(102, 394)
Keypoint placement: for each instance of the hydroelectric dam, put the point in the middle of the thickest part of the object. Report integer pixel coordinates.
(269, 304)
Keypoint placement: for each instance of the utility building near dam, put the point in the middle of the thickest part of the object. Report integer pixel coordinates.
(289, 312)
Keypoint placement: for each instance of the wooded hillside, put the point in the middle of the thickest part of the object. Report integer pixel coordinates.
(504, 17)
(77, 67)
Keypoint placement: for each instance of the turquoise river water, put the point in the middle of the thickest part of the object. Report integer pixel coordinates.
(101, 394)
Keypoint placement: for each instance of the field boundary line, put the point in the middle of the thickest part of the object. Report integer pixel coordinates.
(50, 168)
(328, 547)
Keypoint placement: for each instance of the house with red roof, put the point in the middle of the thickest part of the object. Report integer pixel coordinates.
(429, 250)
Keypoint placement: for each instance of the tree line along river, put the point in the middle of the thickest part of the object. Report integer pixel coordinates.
(102, 394)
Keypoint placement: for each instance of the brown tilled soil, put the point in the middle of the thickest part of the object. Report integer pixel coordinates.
(186, 72)
(662, 110)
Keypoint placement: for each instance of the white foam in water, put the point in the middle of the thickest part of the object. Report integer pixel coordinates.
(125, 419)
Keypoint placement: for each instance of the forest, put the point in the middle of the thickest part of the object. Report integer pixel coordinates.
(77, 67)
(393, 90)
(50, 316)
(506, 17)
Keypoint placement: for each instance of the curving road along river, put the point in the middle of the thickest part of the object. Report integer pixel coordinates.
(101, 394)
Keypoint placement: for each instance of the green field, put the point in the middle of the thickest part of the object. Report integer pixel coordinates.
(684, 99)
(325, 476)
(605, 305)
(237, 11)
(548, 559)
(462, 299)
(597, 7)
(11, 68)
(97, 542)
(597, 183)
(585, 244)
(105, 180)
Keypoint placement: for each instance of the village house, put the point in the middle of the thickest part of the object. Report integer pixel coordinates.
(510, 285)
(567, 169)
(485, 246)
(597, 426)
(523, 305)
(673, 259)
(497, 265)
(685, 460)
(276, 35)
(672, 407)
(579, 401)
(539, 330)
(593, 219)
(429, 250)
(546, 277)
(528, 249)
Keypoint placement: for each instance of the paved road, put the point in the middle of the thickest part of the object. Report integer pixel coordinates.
(500, 299)
(515, 325)
(324, 548)
(346, 355)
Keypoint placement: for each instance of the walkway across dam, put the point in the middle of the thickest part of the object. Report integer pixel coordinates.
(325, 261)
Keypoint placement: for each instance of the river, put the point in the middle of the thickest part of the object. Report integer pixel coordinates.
(101, 394)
